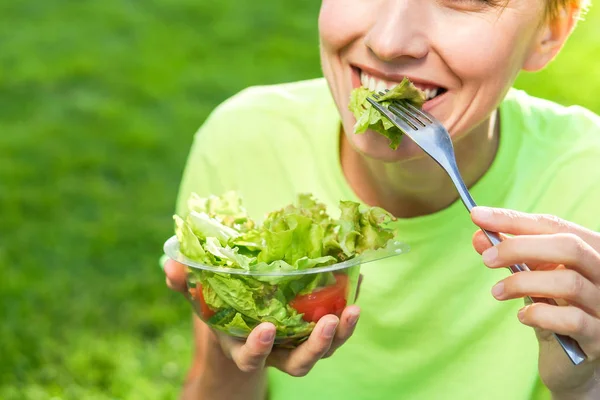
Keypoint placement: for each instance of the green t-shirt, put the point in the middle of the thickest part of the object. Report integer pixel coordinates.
(429, 327)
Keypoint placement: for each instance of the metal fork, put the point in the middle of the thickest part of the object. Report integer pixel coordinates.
(431, 136)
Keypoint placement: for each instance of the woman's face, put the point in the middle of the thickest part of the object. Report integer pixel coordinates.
(464, 53)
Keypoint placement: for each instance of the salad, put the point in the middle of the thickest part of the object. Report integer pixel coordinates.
(367, 117)
(257, 272)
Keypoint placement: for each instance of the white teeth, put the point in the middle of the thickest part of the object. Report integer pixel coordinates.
(364, 80)
(371, 85)
(375, 84)
(380, 86)
(430, 93)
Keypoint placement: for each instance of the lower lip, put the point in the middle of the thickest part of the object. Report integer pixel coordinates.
(355, 78)
(434, 102)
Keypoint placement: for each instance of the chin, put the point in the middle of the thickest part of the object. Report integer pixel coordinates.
(376, 146)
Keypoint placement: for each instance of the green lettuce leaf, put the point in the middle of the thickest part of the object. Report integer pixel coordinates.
(289, 236)
(189, 244)
(204, 227)
(301, 236)
(259, 303)
(280, 266)
(226, 208)
(251, 241)
(211, 299)
(349, 227)
(367, 117)
(237, 326)
(230, 256)
(309, 206)
(222, 317)
(372, 234)
(235, 293)
(361, 231)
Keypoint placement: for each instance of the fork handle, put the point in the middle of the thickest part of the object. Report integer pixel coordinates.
(569, 345)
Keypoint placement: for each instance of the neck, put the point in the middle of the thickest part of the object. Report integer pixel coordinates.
(418, 186)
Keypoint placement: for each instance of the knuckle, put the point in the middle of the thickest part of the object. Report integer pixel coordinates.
(511, 247)
(250, 360)
(516, 283)
(316, 350)
(300, 371)
(255, 356)
(511, 216)
(558, 224)
(536, 312)
(575, 284)
(576, 246)
(578, 322)
(247, 367)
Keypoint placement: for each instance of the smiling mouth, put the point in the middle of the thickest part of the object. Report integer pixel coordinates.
(374, 83)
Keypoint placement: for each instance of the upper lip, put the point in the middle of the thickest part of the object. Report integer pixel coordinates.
(395, 77)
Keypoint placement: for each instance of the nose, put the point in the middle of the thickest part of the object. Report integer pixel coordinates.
(400, 30)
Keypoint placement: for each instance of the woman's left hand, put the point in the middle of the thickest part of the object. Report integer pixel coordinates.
(564, 259)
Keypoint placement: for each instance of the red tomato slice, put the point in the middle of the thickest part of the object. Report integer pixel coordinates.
(323, 301)
(197, 295)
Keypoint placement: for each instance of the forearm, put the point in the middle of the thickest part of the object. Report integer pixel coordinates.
(228, 386)
(215, 377)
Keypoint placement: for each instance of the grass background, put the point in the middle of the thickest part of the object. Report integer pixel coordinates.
(98, 104)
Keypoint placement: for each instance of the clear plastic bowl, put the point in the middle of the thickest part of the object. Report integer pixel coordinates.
(337, 292)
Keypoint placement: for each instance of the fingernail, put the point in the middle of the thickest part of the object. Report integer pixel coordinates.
(483, 213)
(353, 319)
(490, 256)
(521, 314)
(498, 290)
(329, 329)
(267, 336)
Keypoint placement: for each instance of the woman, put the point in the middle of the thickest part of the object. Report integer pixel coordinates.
(429, 327)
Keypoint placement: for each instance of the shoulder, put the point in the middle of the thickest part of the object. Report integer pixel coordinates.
(295, 102)
(550, 124)
(556, 166)
(272, 115)
(267, 143)
(279, 97)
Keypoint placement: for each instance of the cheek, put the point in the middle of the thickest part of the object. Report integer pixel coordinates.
(485, 53)
(341, 22)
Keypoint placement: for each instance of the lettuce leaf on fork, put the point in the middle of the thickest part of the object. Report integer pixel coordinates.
(367, 117)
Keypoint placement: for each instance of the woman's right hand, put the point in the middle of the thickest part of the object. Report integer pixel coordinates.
(257, 351)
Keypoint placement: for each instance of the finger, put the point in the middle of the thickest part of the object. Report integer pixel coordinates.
(570, 321)
(299, 362)
(559, 284)
(481, 243)
(176, 275)
(519, 223)
(251, 355)
(348, 321)
(562, 248)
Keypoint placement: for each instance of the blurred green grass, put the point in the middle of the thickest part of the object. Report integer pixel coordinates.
(98, 104)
